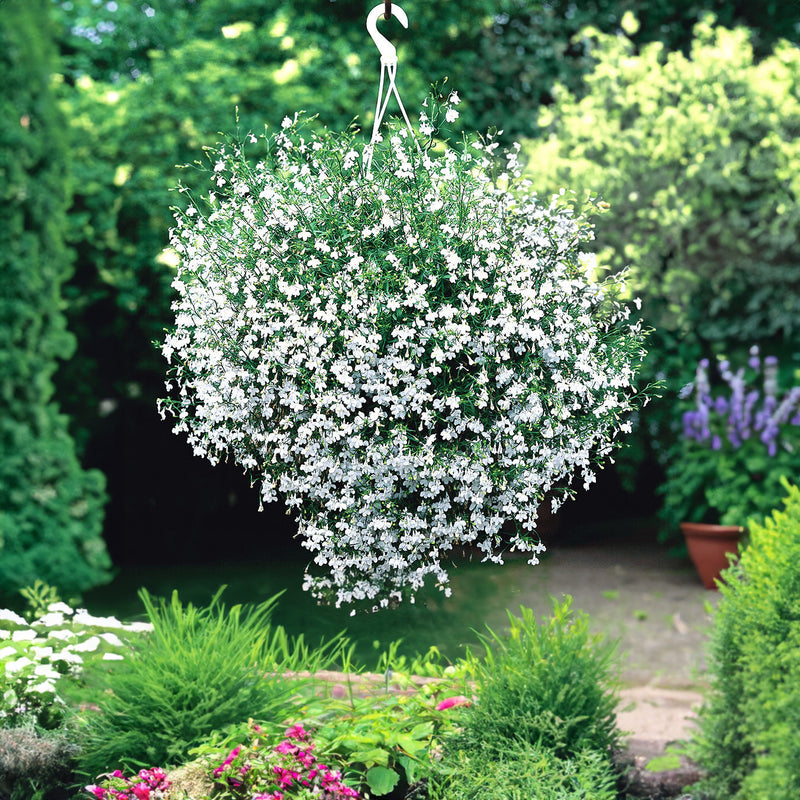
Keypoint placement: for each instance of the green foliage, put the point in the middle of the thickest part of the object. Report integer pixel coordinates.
(747, 737)
(698, 158)
(529, 47)
(51, 510)
(385, 739)
(521, 771)
(38, 598)
(549, 684)
(199, 670)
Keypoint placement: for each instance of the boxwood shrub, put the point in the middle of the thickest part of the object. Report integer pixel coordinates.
(747, 735)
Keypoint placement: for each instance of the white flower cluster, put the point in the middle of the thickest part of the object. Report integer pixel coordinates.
(412, 358)
(35, 655)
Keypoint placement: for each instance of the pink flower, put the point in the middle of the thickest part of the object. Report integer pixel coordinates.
(306, 758)
(141, 791)
(285, 777)
(296, 732)
(452, 702)
(98, 791)
(233, 753)
(155, 778)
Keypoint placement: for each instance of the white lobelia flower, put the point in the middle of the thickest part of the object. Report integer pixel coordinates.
(87, 646)
(50, 619)
(83, 617)
(43, 687)
(17, 665)
(59, 607)
(413, 360)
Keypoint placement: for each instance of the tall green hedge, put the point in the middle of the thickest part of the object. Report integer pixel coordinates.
(51, 510)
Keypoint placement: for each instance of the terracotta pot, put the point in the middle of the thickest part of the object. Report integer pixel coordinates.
(709, 546)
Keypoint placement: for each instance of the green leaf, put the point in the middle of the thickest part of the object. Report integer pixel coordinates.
(381, 780)
(375, 756)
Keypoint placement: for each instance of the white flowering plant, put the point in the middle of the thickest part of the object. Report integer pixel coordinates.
(412, 354)
(36, 655)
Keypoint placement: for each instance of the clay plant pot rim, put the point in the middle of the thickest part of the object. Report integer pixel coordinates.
(709, 531)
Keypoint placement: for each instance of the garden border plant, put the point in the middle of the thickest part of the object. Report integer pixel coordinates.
(199, 670)
(746, 739)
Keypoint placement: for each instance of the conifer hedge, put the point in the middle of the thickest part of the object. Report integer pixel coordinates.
(51, 510)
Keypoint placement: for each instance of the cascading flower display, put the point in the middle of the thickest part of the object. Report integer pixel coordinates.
(413, 358)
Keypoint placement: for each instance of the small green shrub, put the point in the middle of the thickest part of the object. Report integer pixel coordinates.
(551, 685)
(523, 772)
(200, 670)
(747, 735)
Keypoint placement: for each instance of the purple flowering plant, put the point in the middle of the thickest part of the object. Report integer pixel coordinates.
(739, 438)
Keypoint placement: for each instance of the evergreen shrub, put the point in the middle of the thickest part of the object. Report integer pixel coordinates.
(51, 510)
(747, 735)
(549, 684)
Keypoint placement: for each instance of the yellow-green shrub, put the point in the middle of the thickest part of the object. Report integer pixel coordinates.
(747, 737)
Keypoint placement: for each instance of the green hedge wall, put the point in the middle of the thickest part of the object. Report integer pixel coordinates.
(51, 510)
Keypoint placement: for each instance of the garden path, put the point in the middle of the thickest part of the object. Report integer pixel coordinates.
(655, 605)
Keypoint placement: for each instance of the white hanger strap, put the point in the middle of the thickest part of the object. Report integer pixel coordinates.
(388, 67)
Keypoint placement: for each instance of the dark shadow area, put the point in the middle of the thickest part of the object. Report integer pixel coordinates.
(169, 506)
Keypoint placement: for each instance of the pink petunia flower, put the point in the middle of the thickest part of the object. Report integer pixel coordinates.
(453, 702)
(141, 791)
(231, 756)
(296, 732)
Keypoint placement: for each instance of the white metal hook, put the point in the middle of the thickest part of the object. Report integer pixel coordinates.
(388, 69)
(387, 50)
